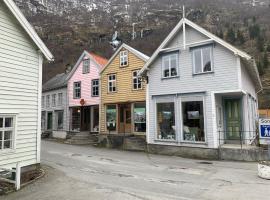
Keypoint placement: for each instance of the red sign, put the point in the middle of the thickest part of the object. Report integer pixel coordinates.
(82, 102)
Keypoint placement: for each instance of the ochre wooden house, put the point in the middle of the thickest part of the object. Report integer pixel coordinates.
(123, 93)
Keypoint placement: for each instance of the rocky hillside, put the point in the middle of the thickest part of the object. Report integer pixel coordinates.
(70, 26)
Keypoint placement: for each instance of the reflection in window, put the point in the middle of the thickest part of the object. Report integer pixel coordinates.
(193, 121)
(111, 117)
(139, 117)
(166, 121)
(202, 60)
(60, 119)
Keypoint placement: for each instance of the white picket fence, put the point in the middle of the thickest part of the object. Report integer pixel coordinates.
(17, 171)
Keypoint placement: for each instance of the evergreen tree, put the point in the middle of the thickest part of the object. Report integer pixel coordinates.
(254, 31)
(260, 68)
(268, 48)
(231, 35)
(265, 60)
(240, 37)
(260, 44)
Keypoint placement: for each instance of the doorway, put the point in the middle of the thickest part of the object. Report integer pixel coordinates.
(85, 119)
(233, 119)
(49, 120)
(124, 118)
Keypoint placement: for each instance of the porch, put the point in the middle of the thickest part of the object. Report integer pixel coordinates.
(84, 119)
(236, 117)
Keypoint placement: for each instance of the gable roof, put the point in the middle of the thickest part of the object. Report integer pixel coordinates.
(99, 60)
(212, 37)
(129, 48)
(28, 28)
(57, 82)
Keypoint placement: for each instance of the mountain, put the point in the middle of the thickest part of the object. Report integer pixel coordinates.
(70, 26)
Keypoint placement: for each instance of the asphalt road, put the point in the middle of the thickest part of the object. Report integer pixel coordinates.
(86, 173)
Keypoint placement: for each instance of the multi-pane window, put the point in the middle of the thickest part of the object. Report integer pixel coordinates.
(95, 88)
(59, 119)
(202, 60)
(112, 83)
(86, 66)
(53, 100)
(60, 99)
(123, 58)
(6, 132)
(193, 121)
(137, 81)
(77, 90)
(170, 65)
(48, 101)
(43, 102)
(166, 121)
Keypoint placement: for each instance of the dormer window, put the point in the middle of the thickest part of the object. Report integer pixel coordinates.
(86, 66)
(123, 58)
(202, 60)
(170, 65)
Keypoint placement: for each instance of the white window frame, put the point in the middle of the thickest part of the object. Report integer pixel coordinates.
(190, 99)
(123, 58)
(113, 83)
(166, 100)
(138, 80)
(60, 99)
(53, 100)
(169, 55)
(95, 87)
(14, 132)
(76, 88)
(48, 101)
(211, 59)
(86, 66)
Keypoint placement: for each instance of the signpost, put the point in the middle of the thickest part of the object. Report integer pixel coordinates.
(264, 130)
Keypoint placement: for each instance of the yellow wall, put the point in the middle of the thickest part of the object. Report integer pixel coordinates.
(264, 113)
(124, 85)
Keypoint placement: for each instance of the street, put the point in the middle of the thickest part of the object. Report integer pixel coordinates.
(86, 173)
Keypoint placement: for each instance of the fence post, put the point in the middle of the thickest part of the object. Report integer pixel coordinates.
(18, 176)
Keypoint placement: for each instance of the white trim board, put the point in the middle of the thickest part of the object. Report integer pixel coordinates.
(29, 29)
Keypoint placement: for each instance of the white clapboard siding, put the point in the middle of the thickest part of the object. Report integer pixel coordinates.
(225, 77)
(19, 86)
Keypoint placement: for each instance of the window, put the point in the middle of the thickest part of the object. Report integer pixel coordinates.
(95, 88)
(111, 117)
(202, 60)
(60, 99)
(77, 90)
(193, 121)
(59, 119)
(123, 58)
(53, 100)
(112, 83)
(48, 101)
(7, 129)
(43, 102)
(86, 66)
(139, 113)
(137, 81)
(170, 65)
(43, 120)
(166, 121)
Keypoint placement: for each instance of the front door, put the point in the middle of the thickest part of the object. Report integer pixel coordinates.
(85, 119)
(233, 119)
(125, 118)
(49, 121)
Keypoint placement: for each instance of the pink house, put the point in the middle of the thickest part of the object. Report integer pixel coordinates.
(83, 92)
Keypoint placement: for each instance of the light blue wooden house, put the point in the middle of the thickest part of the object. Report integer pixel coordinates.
(202, 91)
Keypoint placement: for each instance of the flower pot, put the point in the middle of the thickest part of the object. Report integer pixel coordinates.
(264, 170)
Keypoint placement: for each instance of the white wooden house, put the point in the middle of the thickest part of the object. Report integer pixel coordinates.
(55, 113)
(202, 91)
(21, 58)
